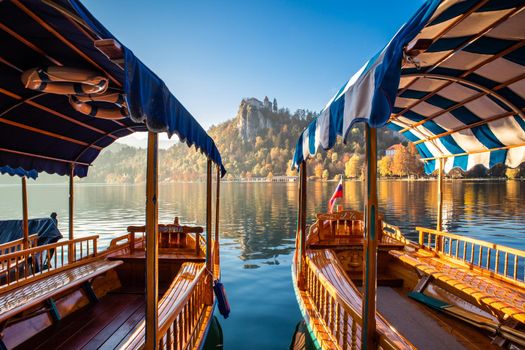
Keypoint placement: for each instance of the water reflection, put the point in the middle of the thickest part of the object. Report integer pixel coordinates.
(258, 223)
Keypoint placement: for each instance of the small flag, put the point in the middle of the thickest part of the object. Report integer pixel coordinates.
(338, 193)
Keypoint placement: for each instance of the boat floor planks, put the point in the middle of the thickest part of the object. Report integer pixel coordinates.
(419, 325)
(90, 328)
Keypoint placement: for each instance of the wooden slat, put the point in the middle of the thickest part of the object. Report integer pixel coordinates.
(47, 133)
(25, 297)
(28, 43)
(43, 157)
(502, 298)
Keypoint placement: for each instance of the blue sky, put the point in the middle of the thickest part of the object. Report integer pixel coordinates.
(212, 53)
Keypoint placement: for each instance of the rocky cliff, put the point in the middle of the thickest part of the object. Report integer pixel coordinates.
(254, 117)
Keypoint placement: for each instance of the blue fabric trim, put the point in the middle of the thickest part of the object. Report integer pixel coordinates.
(461, 162)
(517, 56)
(414, 94)
(32, 174)
(497, 157)
(423, 150)
(430, 166)
(410, 136)
(520, 121)
(486, 136)
(489, 46)
(453, 11)
(311, 138)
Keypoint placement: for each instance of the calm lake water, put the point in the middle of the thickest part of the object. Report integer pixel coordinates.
(258, 222)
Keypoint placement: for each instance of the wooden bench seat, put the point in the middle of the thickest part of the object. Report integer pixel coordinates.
(31, 294)
(329, 266)
(181, 284)
(493, 295)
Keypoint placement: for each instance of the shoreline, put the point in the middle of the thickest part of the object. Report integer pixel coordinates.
(244, 181)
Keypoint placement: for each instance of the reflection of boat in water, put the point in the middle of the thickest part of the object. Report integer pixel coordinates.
(152, 287)
(456, 73)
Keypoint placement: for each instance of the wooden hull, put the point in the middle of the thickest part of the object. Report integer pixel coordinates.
(116, 320)
(429, 297)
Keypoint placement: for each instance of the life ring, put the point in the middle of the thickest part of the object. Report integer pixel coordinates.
(87, 104)
(64, 81)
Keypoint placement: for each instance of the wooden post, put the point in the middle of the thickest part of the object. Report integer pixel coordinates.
(368, 336)
(209, 255)
(216, 257)
(71, 255)
(71, 200)
(152, 268)
(440, 196)
(301, 283)
(25, 218)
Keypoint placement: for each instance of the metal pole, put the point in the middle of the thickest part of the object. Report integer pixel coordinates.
(216, 259)
(301, 283)
(440, 197)
(152, 242)
(209, 256)
(368, 336)
(71, 199)
(25, 222)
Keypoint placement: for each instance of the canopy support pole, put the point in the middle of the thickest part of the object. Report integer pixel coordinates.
(440, 196)
(152, 269)
(209, 255)
(216, 257)
(71, 200)
(71, 208)
(25, 222)
(368, 336)
(301, 281)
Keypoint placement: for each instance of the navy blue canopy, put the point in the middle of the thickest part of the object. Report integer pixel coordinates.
(41, 131)
(19, 172)
(46, 228)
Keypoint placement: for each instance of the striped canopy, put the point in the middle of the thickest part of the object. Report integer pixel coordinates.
(452, 80)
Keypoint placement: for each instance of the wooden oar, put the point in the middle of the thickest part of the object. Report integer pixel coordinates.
(472, 318)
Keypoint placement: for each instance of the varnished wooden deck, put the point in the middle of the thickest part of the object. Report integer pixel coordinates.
(345, 242)
(180, 255)
(98, 326)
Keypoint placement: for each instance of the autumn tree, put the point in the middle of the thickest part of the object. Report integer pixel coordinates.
(318, 170)
(384, 166)
(353, 166)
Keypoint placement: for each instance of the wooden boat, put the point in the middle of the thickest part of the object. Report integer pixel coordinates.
(454, 104)
(153, 286)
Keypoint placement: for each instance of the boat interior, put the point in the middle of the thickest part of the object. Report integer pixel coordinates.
(448, 291)
(96, 300)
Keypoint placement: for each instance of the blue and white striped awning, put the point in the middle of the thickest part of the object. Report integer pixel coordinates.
(456, 76)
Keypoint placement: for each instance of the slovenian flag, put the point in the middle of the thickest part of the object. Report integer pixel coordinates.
(338, 193)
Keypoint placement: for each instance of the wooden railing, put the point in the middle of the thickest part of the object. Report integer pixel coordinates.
(394, 232)
(179, 329)
(20, 267)
(342, 319)
(496, 260)
(17, 245)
